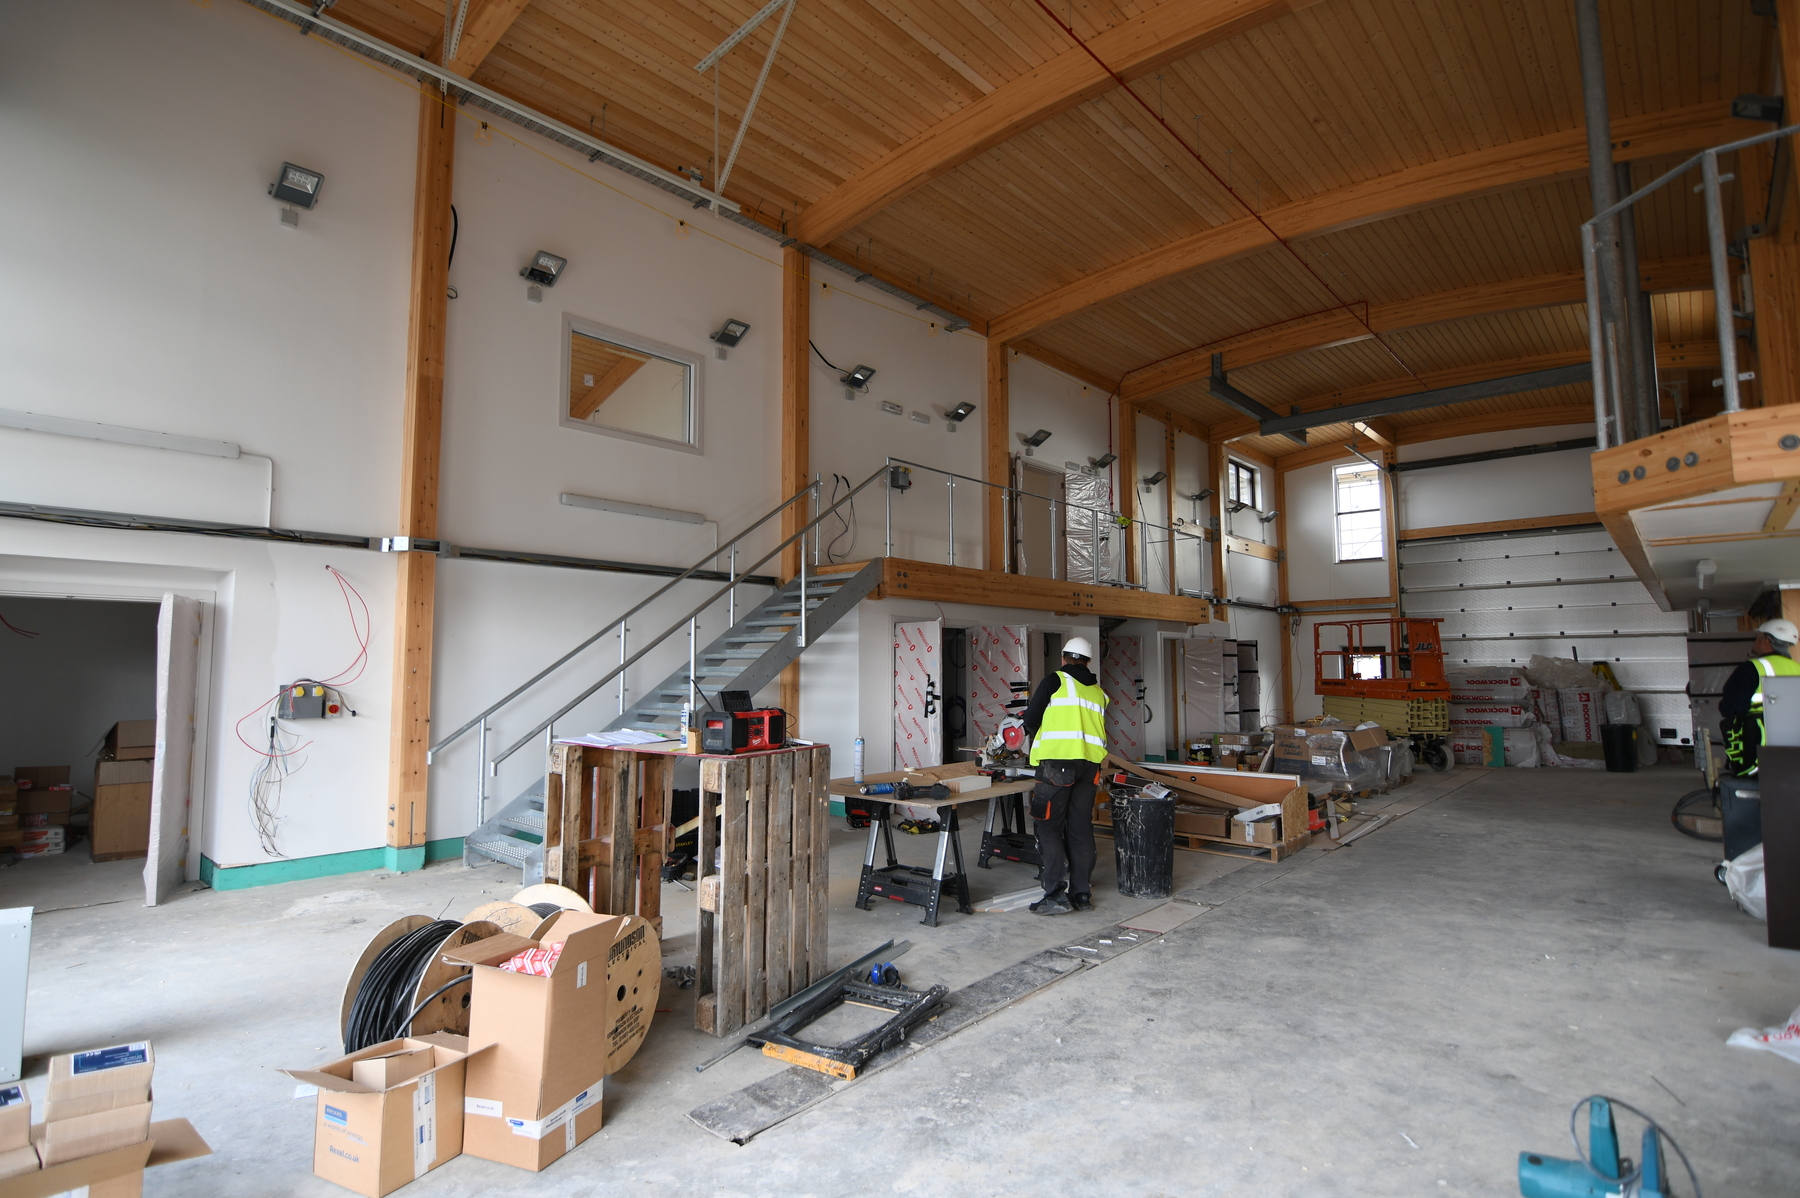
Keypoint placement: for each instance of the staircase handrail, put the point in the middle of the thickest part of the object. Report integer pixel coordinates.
(544, 673)
(817, 520)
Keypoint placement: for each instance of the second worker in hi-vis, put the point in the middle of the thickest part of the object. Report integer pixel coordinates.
(1067, 725)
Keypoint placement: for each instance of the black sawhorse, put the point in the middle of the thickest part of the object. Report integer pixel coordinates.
(1013, 840)
(914, 883)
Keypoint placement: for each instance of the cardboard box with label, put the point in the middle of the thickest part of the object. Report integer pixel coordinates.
(132, 740)
(101, 1079)
(391, 1113)
(556, 1031)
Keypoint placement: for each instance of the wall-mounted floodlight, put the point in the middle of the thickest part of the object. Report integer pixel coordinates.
(1103, 461)
(858, 379)
(1235, 506)
(1268, 517)
(297, 186)
(544, 268)
(1202, 495)
(961, 412)
(730, 333)
(1034, 440)
(1154, 479)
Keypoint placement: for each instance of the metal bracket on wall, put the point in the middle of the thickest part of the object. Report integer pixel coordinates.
(413, 545)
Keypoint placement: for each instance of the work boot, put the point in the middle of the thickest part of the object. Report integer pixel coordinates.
(1052, 904)
(1081, 902)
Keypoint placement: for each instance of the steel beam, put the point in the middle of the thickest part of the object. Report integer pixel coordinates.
(1223, 390)
(1514, 384)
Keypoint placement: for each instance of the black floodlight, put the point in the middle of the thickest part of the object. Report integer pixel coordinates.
(1103, 461)
(544, 268)
(730, 333)
(1202, 495)
(1155, 478)
(1038, 438)
(1235, 506)
(961, 412)
(297, 186)
(1752, 107)
(859, 378)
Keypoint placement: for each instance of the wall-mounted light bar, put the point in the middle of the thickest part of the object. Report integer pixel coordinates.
(622, 508)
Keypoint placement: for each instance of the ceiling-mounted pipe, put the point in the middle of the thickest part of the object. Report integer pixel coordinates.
(1603, 188)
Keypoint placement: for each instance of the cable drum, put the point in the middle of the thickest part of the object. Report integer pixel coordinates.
(439, 1005)
(403, 983)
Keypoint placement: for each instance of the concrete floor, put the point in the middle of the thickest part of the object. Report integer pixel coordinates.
(1399, 1016)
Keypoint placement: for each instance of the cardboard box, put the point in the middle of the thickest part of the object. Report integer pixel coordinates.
(132, 740)
(1192, 822)
(537, 1094)
(101, 1079)
(60, 1140)
(46, 802)
(40, 777)
(1260, 832)
(115, 1174)
(14, 1161)
(375, 1140)
(386, 1072)
(1363, 739)
(120, 825)
(121, 773)
(15, 1118)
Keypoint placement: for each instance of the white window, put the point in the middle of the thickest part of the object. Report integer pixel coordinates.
(1241, 484)
(625, 386)
(1361, 534)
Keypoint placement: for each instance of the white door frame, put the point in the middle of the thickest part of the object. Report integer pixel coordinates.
(209, 622)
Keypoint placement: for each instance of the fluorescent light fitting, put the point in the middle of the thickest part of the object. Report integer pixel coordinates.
(961, 412)
(297, 186)
(730, 333)
(544, 268)
(1103, 461)
(859, 378)
(1036, 439)
(622, 508)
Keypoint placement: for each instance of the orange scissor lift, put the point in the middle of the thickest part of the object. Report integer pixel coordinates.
(1398, 660)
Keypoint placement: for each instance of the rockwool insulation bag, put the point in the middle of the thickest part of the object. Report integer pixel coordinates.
(1549, 706)
(1484, 714)
(1522, 748)
(1488, 684)
(1583, 713)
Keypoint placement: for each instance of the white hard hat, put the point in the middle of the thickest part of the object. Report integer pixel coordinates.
(1077, 646)
(1781, 630)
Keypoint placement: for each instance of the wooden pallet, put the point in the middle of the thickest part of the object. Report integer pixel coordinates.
(606, 827)
(762, 911)
(1224, 846)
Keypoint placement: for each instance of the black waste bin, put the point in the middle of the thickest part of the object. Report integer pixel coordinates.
(1620, 743)
(1740, 811)
(1144, 844)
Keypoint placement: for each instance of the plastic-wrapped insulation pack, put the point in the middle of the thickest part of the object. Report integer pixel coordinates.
(1090, 533)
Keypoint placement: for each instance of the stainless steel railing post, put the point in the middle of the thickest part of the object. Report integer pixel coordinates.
(693, 682)
(622, 630)
(1056, 561)
(731, 595)
(952, 482)
(801, 642)
(481, 774)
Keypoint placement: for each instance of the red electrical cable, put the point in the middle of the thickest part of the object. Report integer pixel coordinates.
(359, 663)
(1194, 153)
(27, 635)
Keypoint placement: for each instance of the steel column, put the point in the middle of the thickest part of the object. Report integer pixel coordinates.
(1721, 273)
(1603, 188)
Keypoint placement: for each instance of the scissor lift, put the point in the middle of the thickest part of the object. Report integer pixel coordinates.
(1397, 660)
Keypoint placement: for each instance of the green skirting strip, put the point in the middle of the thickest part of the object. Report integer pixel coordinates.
(242, 877)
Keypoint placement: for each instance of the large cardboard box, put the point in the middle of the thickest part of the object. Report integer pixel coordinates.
(537, 1094)
(40, 777)
(120, 773)
(15, 1117)
(52, 803)
(120, 825)
(132, 740)
(1193, 822)
(101, 1079)
(14, 1161)
(373, 1139)
(115, 1174)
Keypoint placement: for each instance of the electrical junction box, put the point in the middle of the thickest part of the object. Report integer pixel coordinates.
(308, 701)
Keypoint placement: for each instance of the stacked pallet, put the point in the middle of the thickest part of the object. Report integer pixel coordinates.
(1401, 717)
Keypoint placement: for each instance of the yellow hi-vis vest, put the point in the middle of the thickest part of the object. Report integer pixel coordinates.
(1074, 727)
(1775, 665)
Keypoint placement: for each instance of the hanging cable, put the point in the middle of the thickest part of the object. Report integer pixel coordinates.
(27, 635)
(383, 1002)
(832, 554)
(826, 360)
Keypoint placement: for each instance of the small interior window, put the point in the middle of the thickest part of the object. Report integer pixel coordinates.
(630, 389)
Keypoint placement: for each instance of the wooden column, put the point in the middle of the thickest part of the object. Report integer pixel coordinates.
(796, 432)
(997, 436)
(1128, 488)
(1391, 492)
(1774, 263)
(410, 729)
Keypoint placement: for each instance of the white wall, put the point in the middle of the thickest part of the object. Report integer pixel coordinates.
(90, 665)
(1547, 484)
(1313, 569)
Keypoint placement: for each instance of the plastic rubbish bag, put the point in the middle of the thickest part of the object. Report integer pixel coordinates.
(1562, 673)
(1522, 748)
(1744, 879)
(1782, 1041)
(1622, 708)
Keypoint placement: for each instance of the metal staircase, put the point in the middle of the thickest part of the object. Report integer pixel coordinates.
(747, 657)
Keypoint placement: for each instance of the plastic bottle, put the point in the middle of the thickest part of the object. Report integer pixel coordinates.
(858, 761)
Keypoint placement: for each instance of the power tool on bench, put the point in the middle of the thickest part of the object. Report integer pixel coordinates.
(1601, 1171)
(738, 729)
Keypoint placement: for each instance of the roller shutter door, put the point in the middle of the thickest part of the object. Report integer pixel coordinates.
(1505, 597)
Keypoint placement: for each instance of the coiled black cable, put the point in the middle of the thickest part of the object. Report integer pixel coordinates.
(544, 910)
(383, 1003)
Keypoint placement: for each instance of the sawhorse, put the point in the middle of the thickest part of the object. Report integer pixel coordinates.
(914, 883)
(1012, 841)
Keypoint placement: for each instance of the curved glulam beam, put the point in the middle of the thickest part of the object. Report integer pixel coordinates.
(1169, 31)
(1463, 176)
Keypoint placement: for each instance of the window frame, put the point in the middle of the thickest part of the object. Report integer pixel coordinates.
(1338, 512)
(1234, 470)
(625, 339)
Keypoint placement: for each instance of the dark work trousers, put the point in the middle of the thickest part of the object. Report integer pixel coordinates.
(1066, 839)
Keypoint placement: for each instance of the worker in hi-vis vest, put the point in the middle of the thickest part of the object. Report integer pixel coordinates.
(1067, 725)
(1741, 705)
